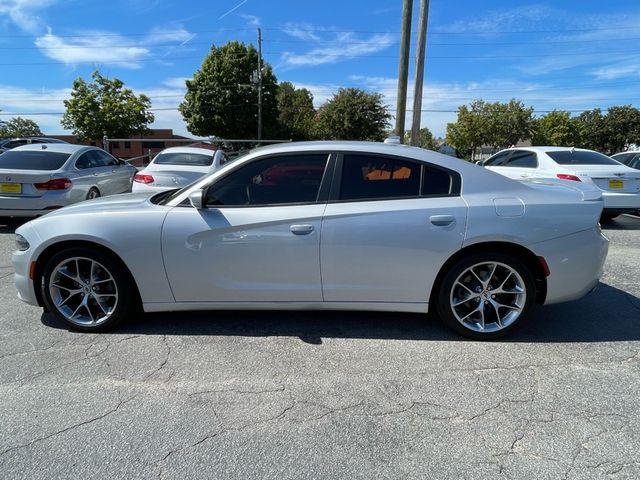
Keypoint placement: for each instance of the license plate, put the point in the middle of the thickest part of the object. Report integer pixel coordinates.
(10, 188)
(616, 184)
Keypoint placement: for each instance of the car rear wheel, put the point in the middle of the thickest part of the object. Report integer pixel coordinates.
(486, 296)
(93, 193)
(88, 290)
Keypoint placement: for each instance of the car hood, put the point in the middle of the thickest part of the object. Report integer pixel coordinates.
(114, 203)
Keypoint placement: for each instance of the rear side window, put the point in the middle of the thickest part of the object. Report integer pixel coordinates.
(579, 157)
(32, 160)
(186, 159)
(522, 159)
(371, 177)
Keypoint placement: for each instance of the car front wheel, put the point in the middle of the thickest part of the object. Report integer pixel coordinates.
(88, 289)
(485, 296)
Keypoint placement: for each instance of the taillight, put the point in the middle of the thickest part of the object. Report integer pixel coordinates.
(54, 184)
(566, 176)
(142, 178)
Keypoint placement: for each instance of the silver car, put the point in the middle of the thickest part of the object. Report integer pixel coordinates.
(36, 179)
(323, 225)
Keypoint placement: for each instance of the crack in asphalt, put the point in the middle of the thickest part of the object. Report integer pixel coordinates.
(69, 428)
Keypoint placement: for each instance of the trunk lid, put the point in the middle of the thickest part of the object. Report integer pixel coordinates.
(20, 183)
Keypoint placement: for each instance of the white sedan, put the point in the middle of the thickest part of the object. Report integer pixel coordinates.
(177, 167)
(620, 185)
(322, 225)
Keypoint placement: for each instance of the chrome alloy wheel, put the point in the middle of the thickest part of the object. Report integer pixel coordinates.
(83, 291)
(488, 297)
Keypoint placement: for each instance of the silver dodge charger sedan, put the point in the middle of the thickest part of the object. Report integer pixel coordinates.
(322, 225)
(36, 179)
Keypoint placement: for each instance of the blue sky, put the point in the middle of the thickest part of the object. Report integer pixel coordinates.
(571, 55)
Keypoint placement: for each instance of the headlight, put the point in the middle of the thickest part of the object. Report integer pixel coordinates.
(21, 243)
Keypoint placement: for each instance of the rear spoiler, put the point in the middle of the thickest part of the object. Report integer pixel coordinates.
(589, 192)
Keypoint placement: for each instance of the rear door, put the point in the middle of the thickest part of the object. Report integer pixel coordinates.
(389, 226)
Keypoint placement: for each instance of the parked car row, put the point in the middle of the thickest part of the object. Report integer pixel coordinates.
(326, 225)
(619, 184)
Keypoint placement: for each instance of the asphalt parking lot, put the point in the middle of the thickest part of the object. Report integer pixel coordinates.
(293, 395)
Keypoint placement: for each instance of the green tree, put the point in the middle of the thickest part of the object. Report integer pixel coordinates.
(592, 127)
(557, 128)
(105, 107)
(222, 101)
(19, 127)
(496, 124)
(425, 139)
(353, 114)
(622, 127)
(295, 111)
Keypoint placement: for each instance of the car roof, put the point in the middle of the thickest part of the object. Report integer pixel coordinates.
(545, 149)
(202, 151)
(55, 147)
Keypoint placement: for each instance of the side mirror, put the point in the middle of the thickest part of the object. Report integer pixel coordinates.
(195, 199)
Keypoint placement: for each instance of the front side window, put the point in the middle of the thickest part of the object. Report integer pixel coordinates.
(497, 160)
(285, 179)
(373, 177)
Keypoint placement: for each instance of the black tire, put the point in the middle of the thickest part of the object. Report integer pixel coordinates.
(125, 305)
(93, 193)
(445, 293)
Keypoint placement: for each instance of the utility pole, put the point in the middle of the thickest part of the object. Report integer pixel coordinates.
(417, 92)
(259, 84)
(403, 69)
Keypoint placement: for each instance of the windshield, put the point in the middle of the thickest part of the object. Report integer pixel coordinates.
(581, 157)
(184, 158)
(32, 160)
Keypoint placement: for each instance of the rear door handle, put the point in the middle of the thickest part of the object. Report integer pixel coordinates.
(304, 229)
(442, 220)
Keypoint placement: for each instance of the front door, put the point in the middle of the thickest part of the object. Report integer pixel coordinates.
(257, 240)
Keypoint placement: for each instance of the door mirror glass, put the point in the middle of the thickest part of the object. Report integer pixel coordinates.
(195, 199)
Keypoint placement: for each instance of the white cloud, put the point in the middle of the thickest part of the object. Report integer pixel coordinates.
(97, 47)
(514, 19)
(344, 46)
(25, 13)
(252, 20)
(611, 72)
(302, 31)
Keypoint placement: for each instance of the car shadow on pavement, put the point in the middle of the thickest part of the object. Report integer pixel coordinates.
(606, 315)
(622, 222)
(9, 225)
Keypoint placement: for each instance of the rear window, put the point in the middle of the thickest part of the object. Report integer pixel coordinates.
(577, 157)
(190, 159)
(32, 160)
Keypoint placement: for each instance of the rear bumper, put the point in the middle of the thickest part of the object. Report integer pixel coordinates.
(621, 201)
(576, 263)
(15, 206)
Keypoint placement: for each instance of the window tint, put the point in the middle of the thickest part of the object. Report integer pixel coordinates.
(15, 143)
(32, 160)
(497, 160)
(371, 177)
(271, 181)
(84, 161)
(522, 159)
(578, 157)
(178, 158)
(436, 181)
(635, 162)
(623, 157)
(106, 159)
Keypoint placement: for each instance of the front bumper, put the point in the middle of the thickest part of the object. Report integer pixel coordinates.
(576, 264)
(21, 265)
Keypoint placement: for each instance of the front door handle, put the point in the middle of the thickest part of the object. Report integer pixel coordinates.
(442, 220)
(304, 229)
